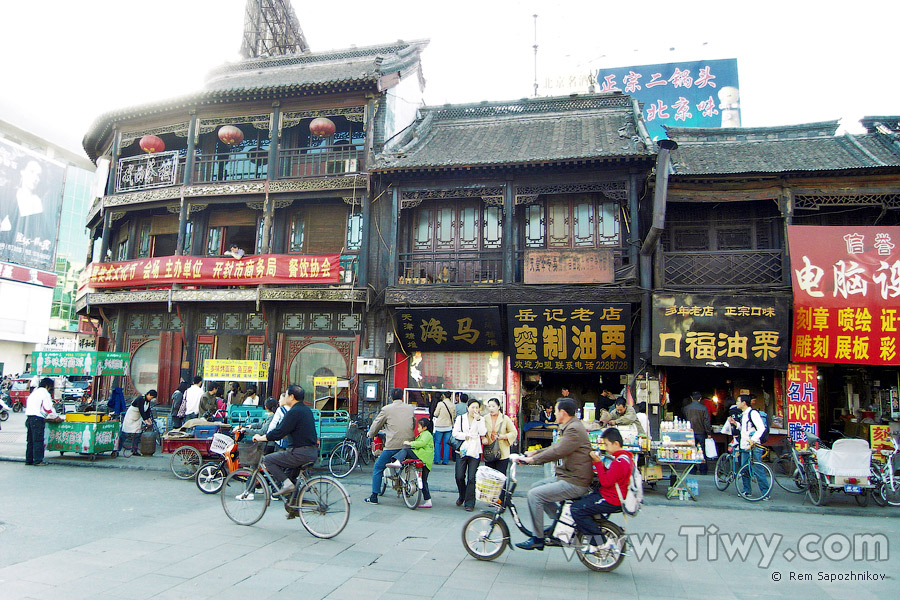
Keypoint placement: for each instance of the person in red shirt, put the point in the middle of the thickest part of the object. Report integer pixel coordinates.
(711, 406)
(616, 473)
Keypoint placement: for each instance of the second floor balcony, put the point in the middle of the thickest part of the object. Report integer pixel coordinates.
(721, 269)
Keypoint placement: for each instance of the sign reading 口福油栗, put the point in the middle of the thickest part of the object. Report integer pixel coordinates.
(692, 330)
(846, 283)
(570, 338)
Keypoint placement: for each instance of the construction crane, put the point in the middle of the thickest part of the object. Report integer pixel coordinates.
(271, 28)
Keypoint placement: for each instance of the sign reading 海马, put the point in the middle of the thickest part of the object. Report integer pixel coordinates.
(720, 331)
(570, 337)
(449, 329)
(846, 283)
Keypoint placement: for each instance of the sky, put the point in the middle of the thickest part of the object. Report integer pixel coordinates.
(67, 62)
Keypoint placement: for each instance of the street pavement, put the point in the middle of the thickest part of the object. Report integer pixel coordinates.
(126, 528)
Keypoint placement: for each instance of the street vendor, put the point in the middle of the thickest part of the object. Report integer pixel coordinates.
(38, 410)
(622, 415)
(137, 415)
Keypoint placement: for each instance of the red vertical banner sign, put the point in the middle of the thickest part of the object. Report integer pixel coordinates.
(513, 391)
(802, 403)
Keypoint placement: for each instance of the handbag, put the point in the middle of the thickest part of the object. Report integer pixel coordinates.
(491, 452)
(709, 448)
(455, 443)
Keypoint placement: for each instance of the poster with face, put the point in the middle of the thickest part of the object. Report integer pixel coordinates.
(31, 189)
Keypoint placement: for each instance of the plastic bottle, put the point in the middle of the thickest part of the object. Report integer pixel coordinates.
(85, 441)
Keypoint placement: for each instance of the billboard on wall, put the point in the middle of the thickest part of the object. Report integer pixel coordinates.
(703, 93)
(846, 283)
(31, 189)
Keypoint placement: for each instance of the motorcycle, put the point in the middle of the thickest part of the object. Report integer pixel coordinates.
(4, 409)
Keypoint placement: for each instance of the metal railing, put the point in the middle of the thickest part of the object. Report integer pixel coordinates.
(722, 268)
(319, 161)
(240, 166)
(451, 267)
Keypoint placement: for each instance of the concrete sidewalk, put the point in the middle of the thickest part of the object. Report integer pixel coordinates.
(12, 448)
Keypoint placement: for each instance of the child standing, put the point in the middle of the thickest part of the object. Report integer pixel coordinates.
(421, 448)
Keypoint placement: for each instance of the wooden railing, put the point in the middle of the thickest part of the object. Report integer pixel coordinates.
(722, 268)
(451, 267)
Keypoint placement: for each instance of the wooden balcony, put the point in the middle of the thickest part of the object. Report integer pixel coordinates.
(721, 269)
(451, 267)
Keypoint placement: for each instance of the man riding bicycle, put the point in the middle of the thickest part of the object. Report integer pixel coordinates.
(299, 426)
(573, 478)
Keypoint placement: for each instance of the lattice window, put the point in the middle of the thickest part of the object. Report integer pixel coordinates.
(232, 321)
(136, 322)
(456, 224)
(255, 321)
(572, 221)
(348, 322)
(321, 321)
(210, 321)
(174, 322)
(155, 321)
(294, 321)
(733, 238)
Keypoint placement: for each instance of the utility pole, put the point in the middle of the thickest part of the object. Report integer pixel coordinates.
(535, 56)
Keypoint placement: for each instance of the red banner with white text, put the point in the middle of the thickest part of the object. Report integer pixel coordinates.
(846, 283)
(216, 270)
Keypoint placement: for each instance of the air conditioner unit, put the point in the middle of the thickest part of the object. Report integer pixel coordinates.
(369, 366)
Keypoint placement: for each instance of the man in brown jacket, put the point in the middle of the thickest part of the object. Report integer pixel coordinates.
(573, 478)
(398, 420)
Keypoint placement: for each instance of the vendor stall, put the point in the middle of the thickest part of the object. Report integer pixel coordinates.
(678, 451)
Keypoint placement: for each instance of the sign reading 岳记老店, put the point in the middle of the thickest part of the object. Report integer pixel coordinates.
(81, 363)
(449, 329)
(720, 331)
(570, 337)
(846, 283)
(218, 369)
(569, 266)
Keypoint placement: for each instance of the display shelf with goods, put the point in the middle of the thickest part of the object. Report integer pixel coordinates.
(678, 450)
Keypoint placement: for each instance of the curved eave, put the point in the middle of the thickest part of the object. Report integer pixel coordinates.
(102, 126)
(510, 165)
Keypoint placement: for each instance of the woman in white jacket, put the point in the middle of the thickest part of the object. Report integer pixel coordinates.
(468, 428)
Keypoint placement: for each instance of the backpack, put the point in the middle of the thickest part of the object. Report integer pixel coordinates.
(634, 497)
(765, 419)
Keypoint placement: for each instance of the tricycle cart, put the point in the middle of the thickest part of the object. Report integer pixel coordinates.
(85, 434)
(332, 427)
(188, 454)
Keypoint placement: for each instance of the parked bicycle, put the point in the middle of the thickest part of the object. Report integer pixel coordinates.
(790, 469)
(728, 470)
(350, 452)
(886, 478)
(321, 502)
(486, 535)
(406, 481)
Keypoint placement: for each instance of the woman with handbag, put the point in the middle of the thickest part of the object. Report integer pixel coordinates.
(444, 411)
(501, 434)
(469, 429)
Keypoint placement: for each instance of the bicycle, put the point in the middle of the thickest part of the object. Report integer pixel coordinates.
(406, 481)
(727, 471)
(211, 476)
(886, 479)
(790, 474)
(346, 455)
(485, 536)
(321, 502)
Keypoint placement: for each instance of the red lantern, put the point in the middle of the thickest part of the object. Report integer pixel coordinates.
(151, 144)
(231, 135)
(322, 127)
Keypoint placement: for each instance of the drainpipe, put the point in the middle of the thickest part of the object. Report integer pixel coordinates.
(649, 246)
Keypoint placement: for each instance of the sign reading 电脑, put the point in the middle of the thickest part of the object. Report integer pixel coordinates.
(720, 331)
(802, 403)
(846, 283)
(199, 270)
(570, 337)
(449, 329)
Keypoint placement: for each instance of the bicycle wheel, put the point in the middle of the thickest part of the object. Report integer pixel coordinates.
(364, 449)
(602, 560)
(724, 472)
(792, 481)
(409, 487)
(186, 460)
(343, 459)
(816, 489)
(245, 496)
(891, 490)
(4, 415)
(484, 540)
(324, 507)
(862, 498)
(210, 477)
(759, 487)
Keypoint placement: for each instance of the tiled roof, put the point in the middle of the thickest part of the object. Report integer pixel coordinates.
(795, 148)
(261, 78)
(527, 131)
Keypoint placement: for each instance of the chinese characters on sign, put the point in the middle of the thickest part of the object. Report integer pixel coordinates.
(449, 329)
(846, 284)
(690, 94)
(82, 363)
(570, 337)
(720, 331)
(215, 369)
(880, 439)
(198, 270)
(802, 403)
(569, 266)
(146, 171)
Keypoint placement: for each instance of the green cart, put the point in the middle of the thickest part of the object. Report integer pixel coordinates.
(84, 437)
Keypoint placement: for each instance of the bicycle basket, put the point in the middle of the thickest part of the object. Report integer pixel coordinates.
(250, 453)
(488, 483)
(220, 444)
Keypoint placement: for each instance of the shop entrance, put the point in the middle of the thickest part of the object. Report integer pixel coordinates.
(719, 385)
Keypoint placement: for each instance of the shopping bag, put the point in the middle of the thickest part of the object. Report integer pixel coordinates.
(710, 448)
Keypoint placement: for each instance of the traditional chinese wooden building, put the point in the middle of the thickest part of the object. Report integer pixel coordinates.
(725, 319)
(508, 237)
(271, 156)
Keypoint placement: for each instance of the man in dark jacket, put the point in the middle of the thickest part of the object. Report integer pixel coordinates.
(208, 404)
(696, 413)
(573, 478)
(299, 426)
